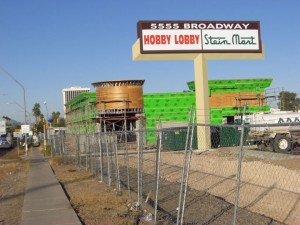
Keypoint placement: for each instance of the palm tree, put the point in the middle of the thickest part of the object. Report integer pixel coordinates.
(6, 118)
(36, 112)
(55, 117)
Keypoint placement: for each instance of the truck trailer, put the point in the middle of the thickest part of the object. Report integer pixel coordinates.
(279, 130)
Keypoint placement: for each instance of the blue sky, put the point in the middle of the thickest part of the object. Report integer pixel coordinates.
(49, 45)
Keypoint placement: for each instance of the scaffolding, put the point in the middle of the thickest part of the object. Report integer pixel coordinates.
(81, 113)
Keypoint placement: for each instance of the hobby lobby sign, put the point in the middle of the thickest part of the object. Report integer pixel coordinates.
(199, 36)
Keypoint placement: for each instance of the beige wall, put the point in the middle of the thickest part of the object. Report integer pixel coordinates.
(230, 99)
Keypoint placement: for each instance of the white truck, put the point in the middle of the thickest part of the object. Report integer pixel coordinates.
(279, 130)
(6, 140)
(2, 127)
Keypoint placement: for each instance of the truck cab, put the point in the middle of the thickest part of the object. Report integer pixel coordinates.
(6, 141)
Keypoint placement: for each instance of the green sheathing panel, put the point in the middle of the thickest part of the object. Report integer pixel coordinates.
(82, 111)
(217, 114)
(167, 106)
(231, 86)
(160, 105)
(81, 100)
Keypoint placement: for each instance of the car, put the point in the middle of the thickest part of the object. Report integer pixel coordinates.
(6, 141)
(35, 141)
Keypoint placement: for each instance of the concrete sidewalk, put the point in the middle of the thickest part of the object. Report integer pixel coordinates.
(45, 201)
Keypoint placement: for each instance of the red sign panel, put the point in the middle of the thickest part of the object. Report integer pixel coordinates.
(199, 36)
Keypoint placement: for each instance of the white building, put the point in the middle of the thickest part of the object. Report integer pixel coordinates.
(70, 93)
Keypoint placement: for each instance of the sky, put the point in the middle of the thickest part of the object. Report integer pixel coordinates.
(48, 45)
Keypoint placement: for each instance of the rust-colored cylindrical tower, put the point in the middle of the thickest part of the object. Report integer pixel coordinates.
(119, 96)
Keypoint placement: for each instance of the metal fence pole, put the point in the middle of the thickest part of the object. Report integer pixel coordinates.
(100, 156)
(88, 151)
(127, 161)
(76, 150)
(158, 153)
(183, 169)
(78, 147)
(238, 179)
(140, 168)
(118, 183)
(93, 159)
(107, 155)
(52, 141)
(188, 166)
(62, 141)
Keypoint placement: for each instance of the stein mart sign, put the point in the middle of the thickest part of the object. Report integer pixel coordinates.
(199, 36)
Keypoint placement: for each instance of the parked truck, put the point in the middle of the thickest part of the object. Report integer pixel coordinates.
(6, 140)
(2, 127)
(279, 130)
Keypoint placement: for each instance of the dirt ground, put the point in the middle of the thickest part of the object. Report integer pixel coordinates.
(270, 184)
(93, 202)
(207, 203)
(13, 177)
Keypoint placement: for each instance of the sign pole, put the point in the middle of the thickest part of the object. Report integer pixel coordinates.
(202, 101)
(25, 129)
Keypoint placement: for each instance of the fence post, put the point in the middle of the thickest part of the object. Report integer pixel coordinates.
(179, 208)
(107, 155)
(188, 165)
(115, 145)
(52, 141)
(76, 150)
(127, 160)
(158, 153)
(238, 179)
(140, 168)
(100, 156)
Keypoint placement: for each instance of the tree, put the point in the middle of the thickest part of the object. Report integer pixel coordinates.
(6, 118)
(40, 125)
(288, 101)
(57, 121)
(36, 110)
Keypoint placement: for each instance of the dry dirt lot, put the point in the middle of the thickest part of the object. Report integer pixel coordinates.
(13, 177)
(93, 202)
(270, 183)
(208, 201)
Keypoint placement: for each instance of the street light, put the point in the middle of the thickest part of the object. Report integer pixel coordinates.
(45, 141)
(45, 103)
(24, 100)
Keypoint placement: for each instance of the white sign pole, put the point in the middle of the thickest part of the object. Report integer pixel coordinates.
(202, 102)
(25, 129)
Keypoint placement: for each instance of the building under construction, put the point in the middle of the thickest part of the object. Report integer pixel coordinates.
(121, 104)
(116, 105)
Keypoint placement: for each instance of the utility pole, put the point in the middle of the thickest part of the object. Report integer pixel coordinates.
(24, 101)
(45, 127)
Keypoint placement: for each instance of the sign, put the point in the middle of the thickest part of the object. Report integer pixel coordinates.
(199, 36)
(25, 129)
(17, 135)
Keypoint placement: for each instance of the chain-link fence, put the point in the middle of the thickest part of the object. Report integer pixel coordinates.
(198, 174)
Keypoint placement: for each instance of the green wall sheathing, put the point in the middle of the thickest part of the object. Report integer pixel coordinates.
(217, 114)
(82, 112)
(81, 100)
(241, 85)
(172, 107)
(169, 107)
